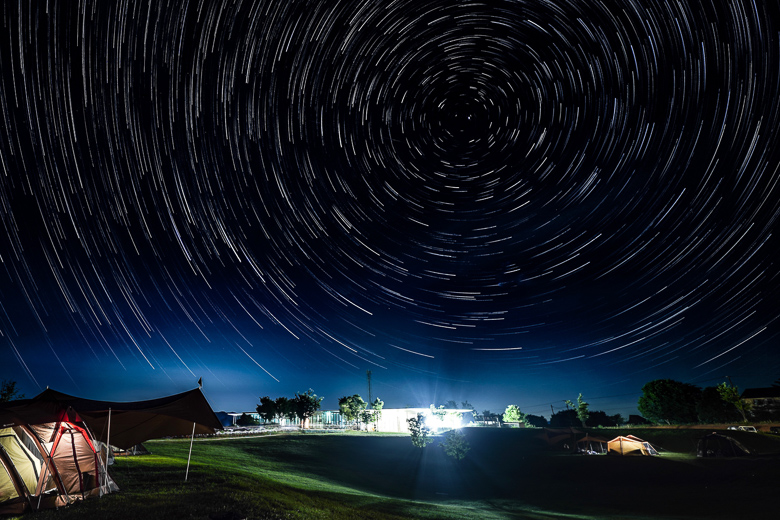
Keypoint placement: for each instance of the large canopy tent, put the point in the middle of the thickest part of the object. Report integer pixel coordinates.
(592, 444)
(138, 421)
(553, 436)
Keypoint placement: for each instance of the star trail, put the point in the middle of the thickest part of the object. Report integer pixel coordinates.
(493, 201)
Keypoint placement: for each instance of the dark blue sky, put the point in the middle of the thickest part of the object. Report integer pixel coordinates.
(500, 202)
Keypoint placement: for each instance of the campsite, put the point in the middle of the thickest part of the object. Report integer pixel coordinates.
(508, 473)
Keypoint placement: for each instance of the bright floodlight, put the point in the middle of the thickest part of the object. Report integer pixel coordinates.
(447, 421)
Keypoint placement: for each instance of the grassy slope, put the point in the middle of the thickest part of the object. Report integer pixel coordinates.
(507, 474)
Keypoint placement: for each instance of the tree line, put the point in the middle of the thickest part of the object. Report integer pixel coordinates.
(666, 401)
(302, 406)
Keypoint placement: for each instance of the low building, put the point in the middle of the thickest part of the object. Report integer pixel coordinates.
(764, 403)
(392, 420)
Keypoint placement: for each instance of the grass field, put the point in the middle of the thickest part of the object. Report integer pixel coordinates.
(507, 474)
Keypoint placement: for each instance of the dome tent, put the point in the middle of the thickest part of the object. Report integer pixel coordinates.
(717, 445)
(630, 445)
(48, 458)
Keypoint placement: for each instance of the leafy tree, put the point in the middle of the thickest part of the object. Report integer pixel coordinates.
(306, 405)
(581, 409)
(285, 408)
(455, 444)
(713, 409)
(450, 404)
(246, 420)
(617, 419)
(468, 406)
(267, 409)
(731, 395)
(351, 407)
(669, 401)
(9, 392)
(419, 431)
(564, 419)
(536, 420)
(513, 414)
(439, 412)
(374, 414)
(598, 418)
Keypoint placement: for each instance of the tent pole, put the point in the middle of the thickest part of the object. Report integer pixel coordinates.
(192, 438)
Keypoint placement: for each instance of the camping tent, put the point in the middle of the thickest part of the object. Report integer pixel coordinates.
(592, 444)
(630, 445)
(716, 445)
(47, 459)
(555, 435)
(138, 421)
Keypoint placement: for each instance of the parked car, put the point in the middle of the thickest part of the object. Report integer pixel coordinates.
(775, 430)
(744, 428)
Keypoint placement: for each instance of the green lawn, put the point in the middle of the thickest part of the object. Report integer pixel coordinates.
(507, 474)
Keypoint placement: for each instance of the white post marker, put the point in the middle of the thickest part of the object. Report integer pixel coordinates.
(192, 438)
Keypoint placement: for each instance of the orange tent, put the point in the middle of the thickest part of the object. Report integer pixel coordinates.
(630, 445)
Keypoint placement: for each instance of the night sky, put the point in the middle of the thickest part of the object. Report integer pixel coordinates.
(500, 202)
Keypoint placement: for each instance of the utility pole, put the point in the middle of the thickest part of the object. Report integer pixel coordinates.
(368, 376)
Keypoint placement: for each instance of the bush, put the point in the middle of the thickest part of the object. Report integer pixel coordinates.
(455, 444)
(419, 431)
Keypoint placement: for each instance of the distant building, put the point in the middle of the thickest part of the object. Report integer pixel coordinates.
(765, 403)
(394, 419)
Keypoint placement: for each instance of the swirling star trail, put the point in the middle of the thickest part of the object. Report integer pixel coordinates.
(486, 200)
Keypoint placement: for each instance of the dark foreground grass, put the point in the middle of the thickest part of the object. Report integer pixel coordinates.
(507, 474)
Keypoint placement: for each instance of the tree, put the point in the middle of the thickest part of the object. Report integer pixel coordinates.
(536, 420)
(285, 408)
(376, 411)
(451, 405)
(598, 418)
(267, 409)
(247, 420)
(617, 419)
(513, 414)
(581, 409)
(669, 401)
(9, 392)
(351, 407)
(455, 444)
(731, 395)
(563, 419)
(306, 405)
(377, 405)
(419, 431)
(468, 406)
(712, 409)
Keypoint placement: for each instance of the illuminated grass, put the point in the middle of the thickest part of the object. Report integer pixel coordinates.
(507, 474)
